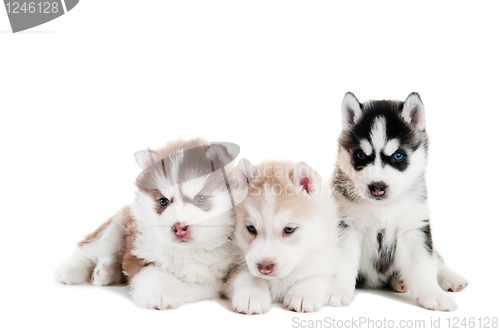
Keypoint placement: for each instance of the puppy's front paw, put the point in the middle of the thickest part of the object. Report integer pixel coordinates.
(106, 274)
(451, 281)
(301, 302)
(72, 275)
(159, 299)
(340, 298)
(398, 283)
(251, 301)
(437, 301)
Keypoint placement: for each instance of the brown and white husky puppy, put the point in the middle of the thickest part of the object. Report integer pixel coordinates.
(172, 244)
(379, 186)
(286, 232)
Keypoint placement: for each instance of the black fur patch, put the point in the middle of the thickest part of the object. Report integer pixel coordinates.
(385, 254)
(399, 165)
(380, 239)
(396, 126)
(360, 280)
(359, 164)
(409, 137)
(342, 225)
(428, 237)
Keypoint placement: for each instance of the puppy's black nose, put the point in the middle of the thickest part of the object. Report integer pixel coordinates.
(377, 188)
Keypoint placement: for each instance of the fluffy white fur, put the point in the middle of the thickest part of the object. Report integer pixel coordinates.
(169, 272)
(306, 272)
(96, 261)
(400, 216)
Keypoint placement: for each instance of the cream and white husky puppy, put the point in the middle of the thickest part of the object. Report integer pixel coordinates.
(287, 234)
(379, 185)
(172, 244)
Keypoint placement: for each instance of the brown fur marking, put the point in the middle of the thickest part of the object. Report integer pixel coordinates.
(90, 237)
(131, 264)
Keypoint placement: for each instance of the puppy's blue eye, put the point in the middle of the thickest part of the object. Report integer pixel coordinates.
(361, 156)
(398, 156)
(288, 230)
(200, 199)
(163, 201)
(252, 229)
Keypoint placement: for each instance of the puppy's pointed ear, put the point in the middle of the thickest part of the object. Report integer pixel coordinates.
(351, 110)
(145, 158)
(307, 179)
(219, 154)
(244, 173)
(414, 111)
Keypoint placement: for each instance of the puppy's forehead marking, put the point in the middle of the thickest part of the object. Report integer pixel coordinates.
(163, 183)
(175, 161)
(254, 215)
(391, 146)
(170, 191)
(366, 147)
(377, 162)
(269, 211)
(193, 187)
(283, 217)
(378, 134)
(269, 192)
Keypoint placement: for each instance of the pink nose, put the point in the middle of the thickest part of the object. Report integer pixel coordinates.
(265, 267)
(181, 231)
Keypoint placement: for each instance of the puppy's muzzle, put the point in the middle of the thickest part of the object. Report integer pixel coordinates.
(377, 189)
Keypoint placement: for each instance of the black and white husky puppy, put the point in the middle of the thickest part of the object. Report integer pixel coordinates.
(379, 185)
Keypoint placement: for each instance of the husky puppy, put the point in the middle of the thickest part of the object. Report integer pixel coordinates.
(379, 186)
(172, 244)
(284, 232)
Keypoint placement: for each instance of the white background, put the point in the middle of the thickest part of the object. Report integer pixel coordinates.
(79, 95)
